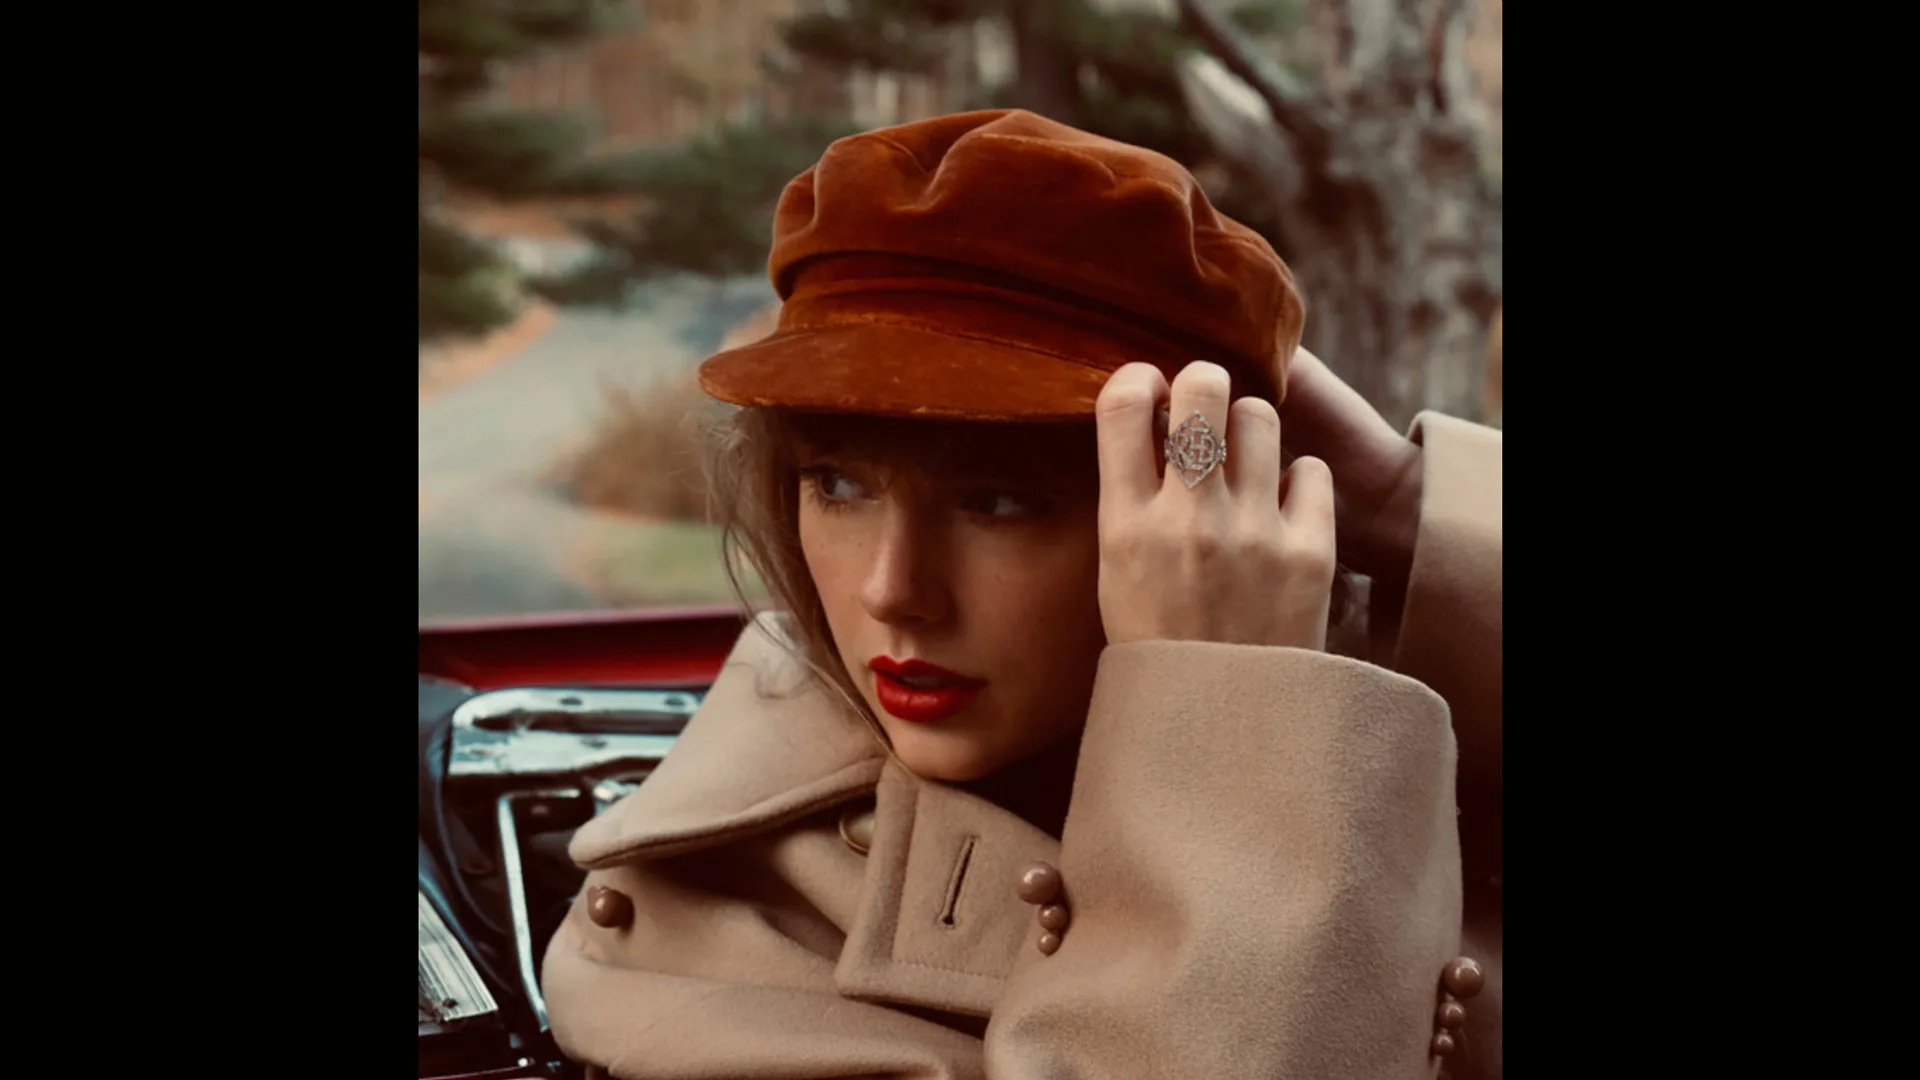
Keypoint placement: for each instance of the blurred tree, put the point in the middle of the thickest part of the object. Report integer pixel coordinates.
(708, 203)
(706, 206)
(1384, 186)
(470, 145)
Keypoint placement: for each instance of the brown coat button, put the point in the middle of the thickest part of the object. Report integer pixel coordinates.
(609, 907)
(1049, 942)
(1443, 1043)
(1053, 917)
(1040, 884)
(1463, 977)
(1451, 1014)
(856, 827)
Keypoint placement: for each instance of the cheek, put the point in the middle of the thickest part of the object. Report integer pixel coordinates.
(833, 555)
(1044, 597)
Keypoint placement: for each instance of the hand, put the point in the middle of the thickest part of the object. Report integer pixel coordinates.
(1376, 470)
(1245, 556)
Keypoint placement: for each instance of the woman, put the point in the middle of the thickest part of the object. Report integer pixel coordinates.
(1047, 772)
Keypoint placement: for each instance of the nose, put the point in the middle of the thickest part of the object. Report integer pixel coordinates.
(907, 582)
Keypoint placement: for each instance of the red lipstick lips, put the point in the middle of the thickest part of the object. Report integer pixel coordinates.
(921, 692)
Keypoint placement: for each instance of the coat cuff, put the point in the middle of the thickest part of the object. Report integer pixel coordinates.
(1249, 824)
(1456, 572)
(1449, 625)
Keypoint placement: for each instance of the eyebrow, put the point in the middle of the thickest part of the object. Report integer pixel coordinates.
(1011, 476)
(1048, 465)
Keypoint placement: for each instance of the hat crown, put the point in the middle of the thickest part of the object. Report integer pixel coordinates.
(1025, 198)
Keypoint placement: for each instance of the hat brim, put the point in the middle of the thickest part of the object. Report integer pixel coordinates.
(881, 369)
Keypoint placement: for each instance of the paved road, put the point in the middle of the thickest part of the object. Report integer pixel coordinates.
(493, 539)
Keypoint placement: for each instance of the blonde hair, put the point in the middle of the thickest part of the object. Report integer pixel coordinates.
(754, 485)
(753, 469)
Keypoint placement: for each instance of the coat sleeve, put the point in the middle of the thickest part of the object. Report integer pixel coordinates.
(630, 1022)
(1447, 634)
(1261, 870)
(1444, 629)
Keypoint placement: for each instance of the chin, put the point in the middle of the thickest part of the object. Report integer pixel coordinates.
(949, 763)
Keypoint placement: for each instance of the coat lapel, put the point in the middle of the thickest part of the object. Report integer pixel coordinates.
(767, 748)
(939, 924)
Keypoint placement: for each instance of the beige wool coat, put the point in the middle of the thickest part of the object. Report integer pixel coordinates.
(1262, 865)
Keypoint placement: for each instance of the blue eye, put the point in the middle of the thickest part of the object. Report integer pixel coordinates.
(833, 486)
(841, 486)
(1003, 505)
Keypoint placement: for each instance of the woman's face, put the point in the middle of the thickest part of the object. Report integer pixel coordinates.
(981, 570)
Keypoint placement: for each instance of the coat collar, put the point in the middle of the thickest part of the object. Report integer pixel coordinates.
(766, 748)
(939, 924)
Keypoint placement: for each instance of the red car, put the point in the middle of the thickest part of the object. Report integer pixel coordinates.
(528, 727)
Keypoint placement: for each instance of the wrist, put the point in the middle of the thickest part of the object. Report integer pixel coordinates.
(1382, 547)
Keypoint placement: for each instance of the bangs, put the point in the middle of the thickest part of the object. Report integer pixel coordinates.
(1056, 455)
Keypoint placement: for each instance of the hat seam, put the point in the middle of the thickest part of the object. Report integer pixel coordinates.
(1127, 318)
(1113, 175)
(908, 324)
(911, 156)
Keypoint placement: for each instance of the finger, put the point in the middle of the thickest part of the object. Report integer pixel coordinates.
(1306, 500)
(1321, 414)
(1305, 369)
(1124, 415)
(1309, 402)
(1201, 388)
(1253, 449)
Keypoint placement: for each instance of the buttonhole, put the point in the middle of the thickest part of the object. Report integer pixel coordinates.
(959, 878)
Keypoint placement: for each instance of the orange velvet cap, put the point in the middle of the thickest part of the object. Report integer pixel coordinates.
(1000, 266)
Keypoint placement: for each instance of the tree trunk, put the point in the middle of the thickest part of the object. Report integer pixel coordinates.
(1046, 81)
(1387, 214)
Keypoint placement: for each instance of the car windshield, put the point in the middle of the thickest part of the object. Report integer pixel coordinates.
(596, 198)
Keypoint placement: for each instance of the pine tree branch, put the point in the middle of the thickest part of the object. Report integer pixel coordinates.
(501, 151)
(1294, 109)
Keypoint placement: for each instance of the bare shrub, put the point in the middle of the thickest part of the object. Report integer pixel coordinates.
(644, 457)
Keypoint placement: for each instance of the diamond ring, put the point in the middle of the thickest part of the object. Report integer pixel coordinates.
(1194, 449)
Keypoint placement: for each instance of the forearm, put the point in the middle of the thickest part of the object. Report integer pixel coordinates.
(1261, 870)
(1444, 624)
(1380, 542)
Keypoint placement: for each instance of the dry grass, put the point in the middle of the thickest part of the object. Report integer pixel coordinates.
(644, 458)
(668, 562)
(644, 466)
(644, 462)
